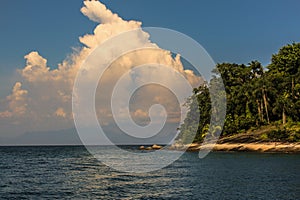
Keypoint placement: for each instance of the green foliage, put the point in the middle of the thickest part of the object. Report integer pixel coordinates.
(279, 135)
(284, 79)
(198, 116)
(284, 135)
(255, 97)
(264, 137)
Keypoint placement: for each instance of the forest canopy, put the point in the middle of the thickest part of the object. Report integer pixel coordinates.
(257, 96)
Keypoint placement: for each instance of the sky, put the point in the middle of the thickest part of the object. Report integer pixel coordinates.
(230, 31)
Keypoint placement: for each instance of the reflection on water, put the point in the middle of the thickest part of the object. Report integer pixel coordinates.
(71, 172)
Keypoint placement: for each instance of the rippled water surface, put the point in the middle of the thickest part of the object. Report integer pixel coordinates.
(72, 173)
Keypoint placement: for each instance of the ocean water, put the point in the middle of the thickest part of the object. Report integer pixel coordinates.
(72, 173)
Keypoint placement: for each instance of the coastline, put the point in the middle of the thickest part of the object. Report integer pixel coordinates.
(250, 141)
(262, 147)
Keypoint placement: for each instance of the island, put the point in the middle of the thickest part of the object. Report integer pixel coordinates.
(262, 107)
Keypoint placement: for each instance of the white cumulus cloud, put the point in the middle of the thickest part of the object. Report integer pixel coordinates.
(47, 98)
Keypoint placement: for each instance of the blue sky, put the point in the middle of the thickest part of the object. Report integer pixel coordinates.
(231, 31)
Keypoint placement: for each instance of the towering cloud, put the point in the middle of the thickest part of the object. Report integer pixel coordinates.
(98, 12)
(17, 102)
(47, 100)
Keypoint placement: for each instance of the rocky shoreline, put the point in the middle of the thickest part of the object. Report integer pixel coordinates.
(265, 147)
(271, 147)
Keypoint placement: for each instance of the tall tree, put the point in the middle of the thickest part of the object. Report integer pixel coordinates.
(284, 74)
(254, 96)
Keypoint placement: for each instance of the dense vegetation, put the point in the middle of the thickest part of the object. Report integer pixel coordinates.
(256, 97)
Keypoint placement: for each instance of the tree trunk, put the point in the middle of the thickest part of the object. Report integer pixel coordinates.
(259, 111)
(262, 110)
(283, 116)
(266, 105)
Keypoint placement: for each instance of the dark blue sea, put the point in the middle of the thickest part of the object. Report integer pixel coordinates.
(72, 173)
